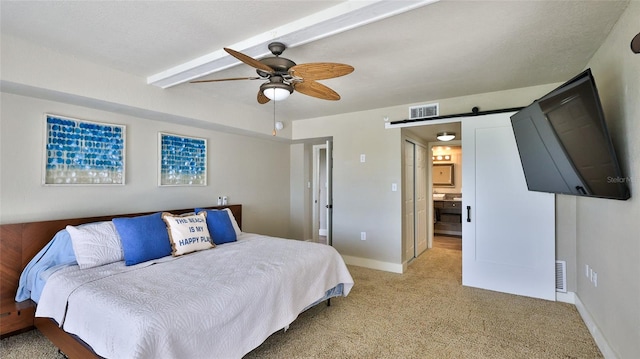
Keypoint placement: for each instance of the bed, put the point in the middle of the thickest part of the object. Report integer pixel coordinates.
(204, 299)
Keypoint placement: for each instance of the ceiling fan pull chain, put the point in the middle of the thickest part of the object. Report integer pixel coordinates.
(274, 118)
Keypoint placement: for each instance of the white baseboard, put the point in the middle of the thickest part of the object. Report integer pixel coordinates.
(374, 264)
(600, 340)
(568, 297)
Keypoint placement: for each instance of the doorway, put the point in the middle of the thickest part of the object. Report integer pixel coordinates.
(322, 193)
(418, 202)
(446, 194)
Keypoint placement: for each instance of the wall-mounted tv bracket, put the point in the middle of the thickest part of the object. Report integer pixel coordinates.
(635, 44)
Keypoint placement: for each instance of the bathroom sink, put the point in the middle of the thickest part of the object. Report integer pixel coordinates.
(457, 198)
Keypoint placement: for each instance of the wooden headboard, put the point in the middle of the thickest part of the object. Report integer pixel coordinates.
(20, 242)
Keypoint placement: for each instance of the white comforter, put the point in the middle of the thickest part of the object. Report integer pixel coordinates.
(217, 303)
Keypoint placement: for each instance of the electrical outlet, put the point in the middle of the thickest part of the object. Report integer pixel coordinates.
(394, 187)
(363, 236)
(363, 158)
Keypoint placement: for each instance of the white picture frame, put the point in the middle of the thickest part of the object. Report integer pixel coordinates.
(81, 152)
(182, 160)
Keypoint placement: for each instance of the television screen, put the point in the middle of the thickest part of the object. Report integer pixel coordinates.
(564, 143)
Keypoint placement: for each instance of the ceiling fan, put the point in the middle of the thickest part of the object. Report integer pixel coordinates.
(284, 76)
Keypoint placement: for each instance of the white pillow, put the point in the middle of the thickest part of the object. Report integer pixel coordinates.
(95, 244)
(187, 233)
(233, 222)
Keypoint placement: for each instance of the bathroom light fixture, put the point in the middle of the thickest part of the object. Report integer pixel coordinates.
(441, 158)
(446, 136)
(276, 89)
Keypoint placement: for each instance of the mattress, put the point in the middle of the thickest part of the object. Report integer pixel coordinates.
(222, 302)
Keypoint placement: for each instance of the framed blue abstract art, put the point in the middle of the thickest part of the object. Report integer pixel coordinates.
(79, 152)
(183, 160)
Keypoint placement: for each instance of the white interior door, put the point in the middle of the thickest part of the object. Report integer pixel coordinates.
(508, 231)
(409, 204)
(421, 199)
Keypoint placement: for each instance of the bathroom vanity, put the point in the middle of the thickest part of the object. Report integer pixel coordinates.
(447, 219)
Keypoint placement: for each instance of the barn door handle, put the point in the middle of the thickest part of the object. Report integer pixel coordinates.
(468, 213)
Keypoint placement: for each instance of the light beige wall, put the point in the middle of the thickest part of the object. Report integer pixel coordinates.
(566, 238)
(250, 171)
(608, 231)
(298, 192)
(362, 196)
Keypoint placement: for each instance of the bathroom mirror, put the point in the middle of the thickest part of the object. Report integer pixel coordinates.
(443, 174)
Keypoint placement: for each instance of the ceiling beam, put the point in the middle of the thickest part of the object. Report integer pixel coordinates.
(334, 20)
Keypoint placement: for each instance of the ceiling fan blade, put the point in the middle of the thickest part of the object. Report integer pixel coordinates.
(320, 70)
(262, 99)
(229, 79)
(249, 60)
(316, 89)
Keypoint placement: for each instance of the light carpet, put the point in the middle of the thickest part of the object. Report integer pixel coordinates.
(423, 313)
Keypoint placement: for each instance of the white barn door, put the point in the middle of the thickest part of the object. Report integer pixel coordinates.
(508, 232)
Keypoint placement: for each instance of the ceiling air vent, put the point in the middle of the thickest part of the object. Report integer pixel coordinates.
(561, 276)
(422, 111)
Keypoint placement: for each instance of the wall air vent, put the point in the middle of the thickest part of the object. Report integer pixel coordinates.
(561, 276)
(423, 111)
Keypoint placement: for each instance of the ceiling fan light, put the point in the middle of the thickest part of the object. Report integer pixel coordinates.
(446, 136)
(276, 94)
(276, 90)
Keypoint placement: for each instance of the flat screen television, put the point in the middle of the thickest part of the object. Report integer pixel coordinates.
(564, 143)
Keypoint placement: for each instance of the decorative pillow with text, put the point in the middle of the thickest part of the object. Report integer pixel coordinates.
(187, 233)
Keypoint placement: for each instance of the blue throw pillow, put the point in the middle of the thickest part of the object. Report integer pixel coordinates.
(143, 238)
(220, 227)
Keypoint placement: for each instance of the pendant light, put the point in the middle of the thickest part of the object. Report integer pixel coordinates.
(446, 136)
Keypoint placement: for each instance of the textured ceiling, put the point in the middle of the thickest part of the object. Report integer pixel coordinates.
(446, 49)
